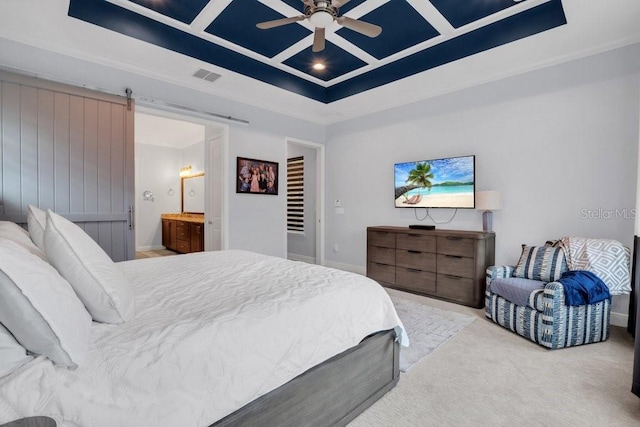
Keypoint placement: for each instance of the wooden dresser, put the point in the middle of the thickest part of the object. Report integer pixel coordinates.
(445, 264)
(183, 233)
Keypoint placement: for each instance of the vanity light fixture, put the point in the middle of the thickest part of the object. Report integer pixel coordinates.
(185, 171)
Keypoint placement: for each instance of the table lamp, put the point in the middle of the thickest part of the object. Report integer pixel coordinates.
(488, 201)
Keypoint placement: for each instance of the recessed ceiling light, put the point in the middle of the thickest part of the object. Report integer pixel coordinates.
(319, 66)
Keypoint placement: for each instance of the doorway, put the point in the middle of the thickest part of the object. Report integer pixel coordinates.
(166, 142)
(306, 242)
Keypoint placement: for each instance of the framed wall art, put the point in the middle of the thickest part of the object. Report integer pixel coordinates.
(256, 176)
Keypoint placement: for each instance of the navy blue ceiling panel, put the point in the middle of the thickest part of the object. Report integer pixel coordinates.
(463, 12)
(403, 28)
(115, 18)
(541, 18)
(182, 10)
(336, 60)
(237, 23)
(414, 29)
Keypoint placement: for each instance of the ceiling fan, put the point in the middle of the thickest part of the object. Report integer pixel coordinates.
(321, 13)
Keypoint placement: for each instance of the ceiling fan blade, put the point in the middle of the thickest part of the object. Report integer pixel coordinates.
(339, 3)
(278, 22)
(318, 40)
(361, 27)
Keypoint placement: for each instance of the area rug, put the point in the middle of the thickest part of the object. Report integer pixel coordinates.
(427, 327)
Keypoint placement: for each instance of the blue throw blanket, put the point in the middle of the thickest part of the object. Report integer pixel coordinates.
(583, 287)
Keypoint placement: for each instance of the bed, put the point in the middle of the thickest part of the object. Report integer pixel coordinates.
(221, 338)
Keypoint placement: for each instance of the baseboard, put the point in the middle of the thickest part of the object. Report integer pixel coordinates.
(346, 267)
(303, 258)
(149, 248)
(619, 319)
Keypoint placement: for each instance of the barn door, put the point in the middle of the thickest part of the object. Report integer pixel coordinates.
(70, 150)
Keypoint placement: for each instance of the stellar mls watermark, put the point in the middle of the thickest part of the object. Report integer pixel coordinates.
(601, 213)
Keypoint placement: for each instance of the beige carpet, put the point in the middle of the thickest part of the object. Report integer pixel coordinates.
(486, 375)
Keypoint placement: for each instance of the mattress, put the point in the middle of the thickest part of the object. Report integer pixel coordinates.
(213, 331)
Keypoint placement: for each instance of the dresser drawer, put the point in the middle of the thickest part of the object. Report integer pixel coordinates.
(417, 260)
(182, 230)
(456, 266)
(183, 246)
(382, 255)
(382, 273)
(453, 245)
(456, 288)
(381, 238)
(416, 280)
(416, 242)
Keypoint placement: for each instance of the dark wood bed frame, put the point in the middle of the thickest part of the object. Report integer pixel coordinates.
(330, 394)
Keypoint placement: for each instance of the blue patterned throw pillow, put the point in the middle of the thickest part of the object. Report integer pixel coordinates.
(543, 263)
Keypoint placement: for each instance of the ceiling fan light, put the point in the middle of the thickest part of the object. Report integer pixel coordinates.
(321, 19)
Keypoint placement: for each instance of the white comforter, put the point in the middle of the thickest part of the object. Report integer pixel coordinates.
(213, 331)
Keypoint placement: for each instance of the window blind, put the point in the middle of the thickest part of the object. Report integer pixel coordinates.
(295, 194)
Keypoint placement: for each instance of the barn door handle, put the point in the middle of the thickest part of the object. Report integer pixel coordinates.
(130, 217)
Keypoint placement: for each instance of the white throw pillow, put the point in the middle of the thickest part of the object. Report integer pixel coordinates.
(12, 354)
(12, 231)
(93, 275)
(36, 221)
(40, 308)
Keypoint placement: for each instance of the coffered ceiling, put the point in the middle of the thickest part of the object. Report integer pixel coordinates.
(417, 35)
(427, 47)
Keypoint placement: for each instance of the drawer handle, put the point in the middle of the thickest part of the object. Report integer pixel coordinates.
(414, 235)
(453, 238)
(453, 256)
(448, 276)
(414, 270)
(414, 252)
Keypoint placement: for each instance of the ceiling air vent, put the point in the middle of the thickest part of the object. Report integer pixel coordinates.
(207, 75)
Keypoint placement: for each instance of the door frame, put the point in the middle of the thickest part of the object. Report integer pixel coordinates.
(320, 189)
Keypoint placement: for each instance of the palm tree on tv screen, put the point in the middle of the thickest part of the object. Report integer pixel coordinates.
(421, 176)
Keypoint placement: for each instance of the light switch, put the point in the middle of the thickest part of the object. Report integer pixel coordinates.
(339, 211)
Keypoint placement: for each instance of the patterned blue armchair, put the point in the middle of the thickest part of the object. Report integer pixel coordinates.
(529, 301)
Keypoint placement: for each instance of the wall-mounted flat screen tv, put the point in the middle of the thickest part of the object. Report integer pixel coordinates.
(438, 183)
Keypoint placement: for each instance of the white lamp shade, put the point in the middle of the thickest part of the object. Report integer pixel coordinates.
(489, 200)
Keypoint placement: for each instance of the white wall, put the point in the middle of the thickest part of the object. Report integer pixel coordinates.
(257, 222)
(194, 155)
(304, 245)
(157, 170)
(555, 142)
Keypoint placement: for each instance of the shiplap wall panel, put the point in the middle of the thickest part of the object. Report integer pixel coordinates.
(76, 154)
(68, 149)
(11, 190)
(62, 153)
(1, 139)
(46, 118)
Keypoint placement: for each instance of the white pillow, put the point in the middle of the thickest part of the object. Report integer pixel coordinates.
(93, 275)
(12, 354)
(36, 221)
(12, 231)
(40, 308)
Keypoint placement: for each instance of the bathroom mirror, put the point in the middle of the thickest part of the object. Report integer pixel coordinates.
(193, 194)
